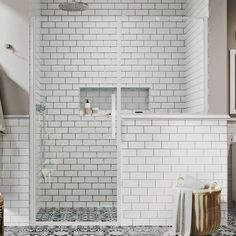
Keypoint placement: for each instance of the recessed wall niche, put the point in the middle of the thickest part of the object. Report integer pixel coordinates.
(131, 98)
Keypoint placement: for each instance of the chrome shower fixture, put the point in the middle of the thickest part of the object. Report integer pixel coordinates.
(40, 107)
(73, 6)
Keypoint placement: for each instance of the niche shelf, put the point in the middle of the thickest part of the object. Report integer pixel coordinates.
(132, 98)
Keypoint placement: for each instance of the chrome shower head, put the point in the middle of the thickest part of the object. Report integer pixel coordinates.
(73, 6)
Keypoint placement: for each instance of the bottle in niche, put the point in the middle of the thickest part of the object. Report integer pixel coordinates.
(87, 107)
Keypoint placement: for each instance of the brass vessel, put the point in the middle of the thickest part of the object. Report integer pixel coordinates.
(206, 212)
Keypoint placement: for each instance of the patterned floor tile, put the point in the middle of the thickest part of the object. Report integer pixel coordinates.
(110, 230)
(81, 214)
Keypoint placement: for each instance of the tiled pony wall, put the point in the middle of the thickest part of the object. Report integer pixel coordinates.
(157, 152)
(14, 157)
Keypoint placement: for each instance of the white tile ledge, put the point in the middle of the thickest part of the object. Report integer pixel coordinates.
(175, 117)
(16, 116)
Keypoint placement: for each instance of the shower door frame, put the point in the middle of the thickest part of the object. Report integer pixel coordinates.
(32, 205)
(33, 172)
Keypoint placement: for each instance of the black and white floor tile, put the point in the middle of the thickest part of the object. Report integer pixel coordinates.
(81, 214)
(109, 230)
(85, 231)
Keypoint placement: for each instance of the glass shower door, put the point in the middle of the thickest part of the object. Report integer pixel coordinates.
(81, 147)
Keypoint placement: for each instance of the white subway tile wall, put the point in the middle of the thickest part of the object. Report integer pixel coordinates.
(81, 50)
(157, 152)
(83, 158)
(77, 52)
(14, 159)
(119, 8)
(197, 8)
(194, 36)
(194, 60)
(152, 54)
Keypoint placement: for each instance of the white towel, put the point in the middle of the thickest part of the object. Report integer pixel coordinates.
(182, 211)
(186, 211)
(2, 122)
(183, 204)
(177, 209)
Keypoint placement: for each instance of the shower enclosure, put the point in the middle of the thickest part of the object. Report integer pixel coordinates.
(153, 62)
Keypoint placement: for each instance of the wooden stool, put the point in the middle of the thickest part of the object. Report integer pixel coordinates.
(1, 215)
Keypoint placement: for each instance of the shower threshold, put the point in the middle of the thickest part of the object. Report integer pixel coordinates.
(80, 214)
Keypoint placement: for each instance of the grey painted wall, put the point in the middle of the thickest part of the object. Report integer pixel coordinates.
(15, 99)
(231, 24)
(218, 78)
(14, 67)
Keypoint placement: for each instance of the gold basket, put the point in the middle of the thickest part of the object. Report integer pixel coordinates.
(206, 212)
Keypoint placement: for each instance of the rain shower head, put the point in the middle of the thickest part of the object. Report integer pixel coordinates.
(73, 6)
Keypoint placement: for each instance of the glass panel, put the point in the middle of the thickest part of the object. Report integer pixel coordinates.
(78, 177)
(165, 55)
(162, 71)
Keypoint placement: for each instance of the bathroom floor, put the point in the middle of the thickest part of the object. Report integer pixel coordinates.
(81, 214)
(96, 231)
(110, 230)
